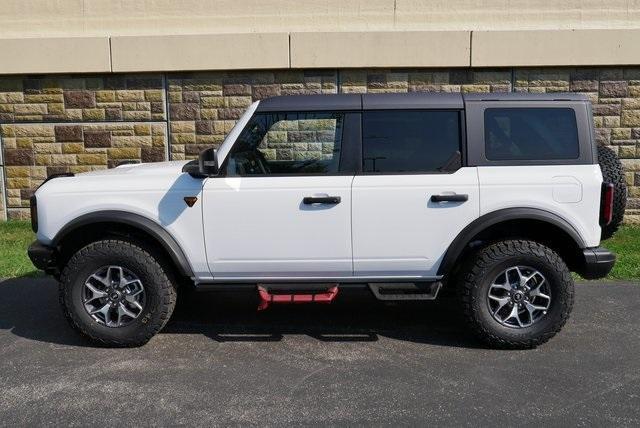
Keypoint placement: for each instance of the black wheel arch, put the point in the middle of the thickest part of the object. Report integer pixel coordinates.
(504, 224)
(136, 222)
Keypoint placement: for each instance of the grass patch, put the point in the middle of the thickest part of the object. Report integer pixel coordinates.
(626, 244)
(15, 237)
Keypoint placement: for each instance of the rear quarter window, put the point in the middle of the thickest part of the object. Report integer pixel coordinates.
(530, 134)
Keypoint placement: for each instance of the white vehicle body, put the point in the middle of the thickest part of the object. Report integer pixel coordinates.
(256, 228)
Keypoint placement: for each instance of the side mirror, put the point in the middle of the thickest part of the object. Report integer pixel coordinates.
(208, 162)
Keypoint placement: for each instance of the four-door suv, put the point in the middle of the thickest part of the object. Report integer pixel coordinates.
(499, 196)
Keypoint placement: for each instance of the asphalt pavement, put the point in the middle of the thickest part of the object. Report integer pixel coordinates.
(354, 362)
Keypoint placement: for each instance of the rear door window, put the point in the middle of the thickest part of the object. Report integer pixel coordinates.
(402, 141)
(530, 134)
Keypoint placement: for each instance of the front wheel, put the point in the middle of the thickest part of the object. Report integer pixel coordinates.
(516, 294)
(116, 293)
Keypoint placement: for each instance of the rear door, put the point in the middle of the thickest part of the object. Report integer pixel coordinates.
(414, 195)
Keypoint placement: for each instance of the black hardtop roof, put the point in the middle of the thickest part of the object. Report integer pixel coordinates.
(411, 100)
(526, 96)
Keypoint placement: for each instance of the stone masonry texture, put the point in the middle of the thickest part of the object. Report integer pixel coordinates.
(74, 123)
(82, 99)
(203, 107)
(33, 152)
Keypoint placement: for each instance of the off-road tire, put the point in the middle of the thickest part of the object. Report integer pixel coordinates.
(613, 172)
(159, 287)
(482, 268)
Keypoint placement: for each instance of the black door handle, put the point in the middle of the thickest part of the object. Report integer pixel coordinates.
(309, 200)
(450, 198)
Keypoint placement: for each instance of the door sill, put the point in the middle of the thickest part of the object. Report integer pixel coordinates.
(349, 281)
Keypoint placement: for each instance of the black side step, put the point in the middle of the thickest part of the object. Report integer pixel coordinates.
(405, 290)
(296, 287)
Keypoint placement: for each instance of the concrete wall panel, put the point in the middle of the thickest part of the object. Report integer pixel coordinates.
(55, 55)
(200, 52)
(555, 48)
(380, 49)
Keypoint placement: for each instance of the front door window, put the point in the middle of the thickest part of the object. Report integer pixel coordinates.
(288, 144)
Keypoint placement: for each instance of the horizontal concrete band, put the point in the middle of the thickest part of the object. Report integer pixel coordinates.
(320, 50)
(381, 49)
(200, 52)
(550, 48)
(55, 55)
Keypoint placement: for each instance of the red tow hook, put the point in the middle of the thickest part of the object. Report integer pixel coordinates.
(267, 298)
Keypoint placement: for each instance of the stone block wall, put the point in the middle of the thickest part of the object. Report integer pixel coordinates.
(35, 151)
(203, 107)
(56, 123)
(82, 99)
(416, 80)
(72, 123)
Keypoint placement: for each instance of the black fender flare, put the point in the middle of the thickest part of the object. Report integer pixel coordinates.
(463, 239)
(138, 221)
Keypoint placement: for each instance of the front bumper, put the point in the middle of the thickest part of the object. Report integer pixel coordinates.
(42, 257)
(597, 263)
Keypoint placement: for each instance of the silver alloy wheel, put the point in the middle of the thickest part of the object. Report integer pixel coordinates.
(113, 296)
(519, 296)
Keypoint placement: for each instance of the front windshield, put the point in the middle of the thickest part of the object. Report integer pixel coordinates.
(225, 147)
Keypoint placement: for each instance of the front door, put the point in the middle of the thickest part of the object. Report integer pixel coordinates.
(413, 196)
(282, 205)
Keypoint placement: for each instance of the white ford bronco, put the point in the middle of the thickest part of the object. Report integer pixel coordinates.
(496, 196)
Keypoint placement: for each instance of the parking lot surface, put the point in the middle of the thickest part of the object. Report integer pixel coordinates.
(355, 362)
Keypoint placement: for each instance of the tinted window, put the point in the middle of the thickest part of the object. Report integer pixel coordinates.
(530, 134)
(411, 141)
(288, 143)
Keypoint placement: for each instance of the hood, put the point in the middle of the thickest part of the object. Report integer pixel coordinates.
(148, 177)
(171, 168)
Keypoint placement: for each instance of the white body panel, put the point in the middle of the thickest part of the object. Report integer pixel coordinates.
(398, 231)
(154, 191)
(571, 192)
(259, 227)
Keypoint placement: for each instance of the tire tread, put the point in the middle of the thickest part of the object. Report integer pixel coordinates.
(105, 248)
(613, 172)
(487, 257)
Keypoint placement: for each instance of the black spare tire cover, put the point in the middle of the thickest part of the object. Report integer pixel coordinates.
(613, 172)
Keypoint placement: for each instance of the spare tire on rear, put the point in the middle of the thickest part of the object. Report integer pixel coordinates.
(613, 172)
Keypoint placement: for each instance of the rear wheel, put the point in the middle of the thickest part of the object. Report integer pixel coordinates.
(613, 172)
(516, 294)
(116, 293)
